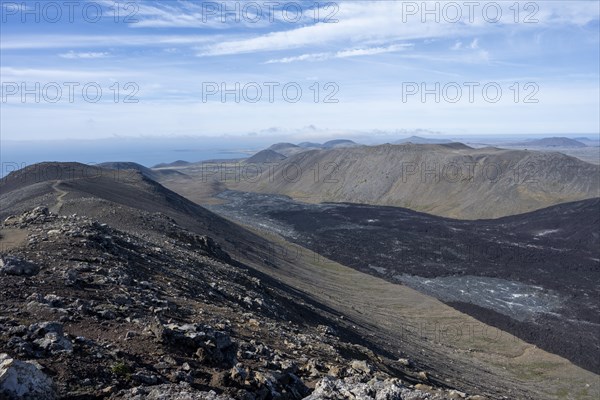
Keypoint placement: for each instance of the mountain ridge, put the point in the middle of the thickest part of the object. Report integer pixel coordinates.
(450, 180)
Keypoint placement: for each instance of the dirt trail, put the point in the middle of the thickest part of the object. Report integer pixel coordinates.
(11, 238)
(59, 199)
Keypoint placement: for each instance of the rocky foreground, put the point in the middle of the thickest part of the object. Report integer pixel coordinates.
(159, 312)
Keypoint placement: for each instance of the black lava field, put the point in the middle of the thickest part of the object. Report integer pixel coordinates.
(535, 275)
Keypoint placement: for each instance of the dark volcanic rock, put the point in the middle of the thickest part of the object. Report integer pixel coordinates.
(15, 266)
(535, 275)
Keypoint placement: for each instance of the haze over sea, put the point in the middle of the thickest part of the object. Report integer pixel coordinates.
(145, 151)
(150, 151)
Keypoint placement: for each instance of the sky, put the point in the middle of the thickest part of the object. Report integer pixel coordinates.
(101, 69)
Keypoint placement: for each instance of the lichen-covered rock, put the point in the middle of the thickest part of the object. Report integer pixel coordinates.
(356, 387)
(182, 391)
(22, 380)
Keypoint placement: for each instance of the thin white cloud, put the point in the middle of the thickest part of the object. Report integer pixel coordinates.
(372, 51)
(181, 15)
(23, 42)
(474, 45)
(15, 7)
(303, 57)
(384, 22)
(470, 57)
(359, 52)
(84, 55)
(192, 14)
(212, 15)
(65, 75)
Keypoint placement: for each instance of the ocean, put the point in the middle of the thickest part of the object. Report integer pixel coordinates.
(144, 151)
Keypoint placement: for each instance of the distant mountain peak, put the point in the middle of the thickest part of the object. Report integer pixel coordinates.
(550, 142)
(265, 156)
(421, 140)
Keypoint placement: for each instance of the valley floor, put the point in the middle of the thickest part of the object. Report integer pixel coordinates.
(459, 349)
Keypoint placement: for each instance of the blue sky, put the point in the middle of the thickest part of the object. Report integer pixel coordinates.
(366, 55)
